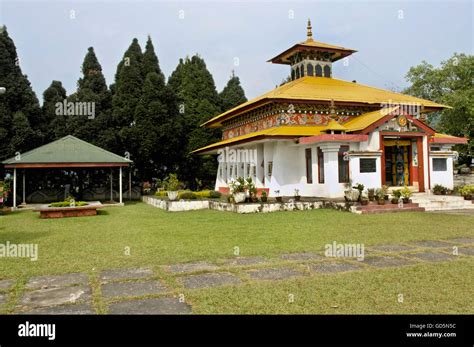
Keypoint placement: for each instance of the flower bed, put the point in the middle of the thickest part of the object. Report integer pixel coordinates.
(48, 211)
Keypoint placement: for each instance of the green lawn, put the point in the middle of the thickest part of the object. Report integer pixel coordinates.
(155, 237)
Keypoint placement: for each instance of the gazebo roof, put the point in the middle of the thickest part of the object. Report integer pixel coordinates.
(68, 151)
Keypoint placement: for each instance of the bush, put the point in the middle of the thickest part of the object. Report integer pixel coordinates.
(467, 191)
(397, 193)
(214, 194)
(438, 189)
(187, 195)
(161, 193)
(172, 183)
(67, 203)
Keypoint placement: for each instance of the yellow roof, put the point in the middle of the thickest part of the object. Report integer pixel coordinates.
(333, 125)
(324, 89)
(443, 136)
(366, 119)
(277, 131)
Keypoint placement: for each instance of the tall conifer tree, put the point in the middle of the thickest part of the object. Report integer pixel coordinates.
(198, 101)
(232, 95)
(19, 105)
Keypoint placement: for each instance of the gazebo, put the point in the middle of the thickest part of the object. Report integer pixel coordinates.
(68, 152)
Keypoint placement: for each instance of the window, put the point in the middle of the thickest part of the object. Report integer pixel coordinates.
(309, 67)
(439, 164)
(270, 168)
(343, 165)
(302, 70)
(327, 71)
(297, 73)
(367, 165)
(319, 71)
(309, 166)
(320, 166)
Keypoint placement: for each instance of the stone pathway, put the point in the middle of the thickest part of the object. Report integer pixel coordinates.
(209, 280)
(150, 306)
(140, 291)
(274, 273)
(131, 289)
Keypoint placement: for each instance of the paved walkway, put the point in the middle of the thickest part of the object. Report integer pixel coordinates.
(144, 291)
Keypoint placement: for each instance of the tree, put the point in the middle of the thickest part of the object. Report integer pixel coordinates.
(198, 101)
(450, 84)
(19, 98)
(57, 123)
(93, 94)
(126, 95)
(21, 132)
(232, 95)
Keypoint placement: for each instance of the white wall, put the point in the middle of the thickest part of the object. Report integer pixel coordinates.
(368, 179)
(445, 178)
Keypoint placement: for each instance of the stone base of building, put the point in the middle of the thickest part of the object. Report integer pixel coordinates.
(177, 206)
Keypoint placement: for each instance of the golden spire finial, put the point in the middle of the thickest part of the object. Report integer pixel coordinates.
(309, 32)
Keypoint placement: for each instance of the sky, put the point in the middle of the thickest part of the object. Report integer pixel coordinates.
(52, 37)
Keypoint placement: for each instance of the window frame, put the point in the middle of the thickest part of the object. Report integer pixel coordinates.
(308, 155)
(320, 166)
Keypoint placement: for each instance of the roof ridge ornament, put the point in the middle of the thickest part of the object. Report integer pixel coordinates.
(309, 32)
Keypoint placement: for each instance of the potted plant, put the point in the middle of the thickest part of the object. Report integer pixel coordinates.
(350, 194)
(237, 189)
(263, 196)
(364, 200)
(297, 195)
(277, 196)
(385, 191)
(371, 194)
(359, 187)
(251, 190)
(396, 194)
(380, 196)
(406, 193)
(438, 189)
(467, 192)
(172, 186)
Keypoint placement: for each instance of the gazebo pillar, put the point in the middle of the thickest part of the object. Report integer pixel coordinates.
(14, 188)
(111, 186)
(130, 183)
(120, 185)
(24, 188)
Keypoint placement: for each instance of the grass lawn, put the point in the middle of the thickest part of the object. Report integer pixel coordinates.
(155, 237)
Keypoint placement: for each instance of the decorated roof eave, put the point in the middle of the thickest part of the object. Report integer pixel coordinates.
(282, 58)
(216, 122)
(211, 149)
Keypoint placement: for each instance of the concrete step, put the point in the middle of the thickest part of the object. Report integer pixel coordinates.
(441, 202)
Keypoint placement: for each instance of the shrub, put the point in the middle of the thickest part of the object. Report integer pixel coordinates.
(397, 193)
(406, 192)
(187, 195)
(67, 203)
(438, 189)
(172, 183)
(214, 194)
(467, 190)
(161, 193)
